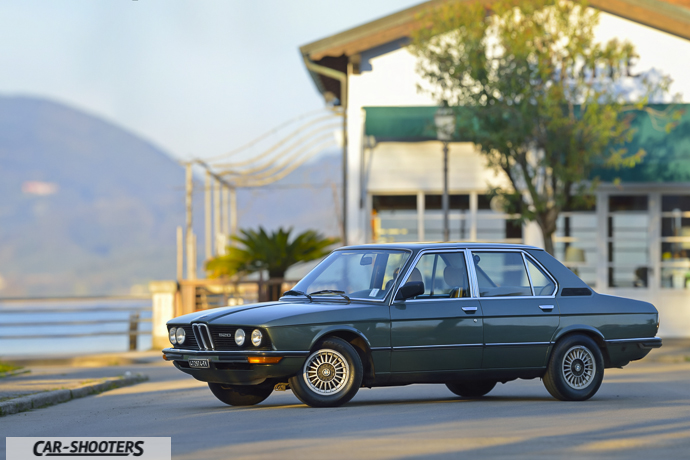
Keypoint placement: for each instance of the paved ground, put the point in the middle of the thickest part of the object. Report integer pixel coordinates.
(641, 411)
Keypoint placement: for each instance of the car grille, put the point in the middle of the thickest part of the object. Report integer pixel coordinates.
(224, 337)
(221, 338)
(189, 340)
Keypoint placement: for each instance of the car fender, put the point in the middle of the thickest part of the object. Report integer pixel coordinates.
(579, 328)
(339, 328)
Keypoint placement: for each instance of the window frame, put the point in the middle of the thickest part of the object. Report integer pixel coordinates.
(474, 284)
(384, 299)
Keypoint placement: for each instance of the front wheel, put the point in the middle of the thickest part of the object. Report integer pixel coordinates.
(472, 389)
(575, 370)
(241, 395)
(331, 375)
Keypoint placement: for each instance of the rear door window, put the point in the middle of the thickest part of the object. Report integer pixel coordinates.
(501, 274)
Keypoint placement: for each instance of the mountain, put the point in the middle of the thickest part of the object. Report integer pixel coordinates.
(88, 208)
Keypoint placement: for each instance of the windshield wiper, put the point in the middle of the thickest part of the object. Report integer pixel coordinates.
(294, 292)
(330, 291)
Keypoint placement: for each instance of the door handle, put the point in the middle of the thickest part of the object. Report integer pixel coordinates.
(469, 309)
(546, 307)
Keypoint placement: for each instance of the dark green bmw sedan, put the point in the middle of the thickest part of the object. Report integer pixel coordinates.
(466, 315)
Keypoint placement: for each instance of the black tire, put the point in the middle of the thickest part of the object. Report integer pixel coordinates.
(331, 375)
(575, 370)
(472, 388)
(241, 395)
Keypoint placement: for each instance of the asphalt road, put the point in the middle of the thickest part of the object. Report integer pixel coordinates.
(642, 411)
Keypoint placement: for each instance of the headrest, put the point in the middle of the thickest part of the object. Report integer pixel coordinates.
(454, 276)
(415, 276)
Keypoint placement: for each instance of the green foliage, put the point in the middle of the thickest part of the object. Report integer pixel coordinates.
(541, 98)
(274, 252)
(7, 367)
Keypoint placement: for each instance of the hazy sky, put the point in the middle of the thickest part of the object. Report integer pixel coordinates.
(197, 78)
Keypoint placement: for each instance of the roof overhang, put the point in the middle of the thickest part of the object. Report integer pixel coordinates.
(339, 51)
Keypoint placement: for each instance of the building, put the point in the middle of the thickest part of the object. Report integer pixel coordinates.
(634, 242)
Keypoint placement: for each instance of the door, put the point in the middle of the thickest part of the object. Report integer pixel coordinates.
(520, 311)
(440, 330)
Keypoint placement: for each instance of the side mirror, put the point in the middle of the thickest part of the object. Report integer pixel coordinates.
(411, 289)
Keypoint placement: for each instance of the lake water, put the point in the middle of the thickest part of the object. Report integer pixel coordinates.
(29, 318)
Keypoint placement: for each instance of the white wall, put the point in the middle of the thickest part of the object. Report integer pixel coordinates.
(389, 78)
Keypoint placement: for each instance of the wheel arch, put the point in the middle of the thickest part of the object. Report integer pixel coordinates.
(583, 329)
(358, 341)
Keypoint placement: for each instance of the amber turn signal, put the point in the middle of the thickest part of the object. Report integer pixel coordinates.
(165, 358)
(264, 359)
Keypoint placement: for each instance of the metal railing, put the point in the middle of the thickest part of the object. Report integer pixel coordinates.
(131, 322)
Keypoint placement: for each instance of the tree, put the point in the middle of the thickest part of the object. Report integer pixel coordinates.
(542, 101)
(274, 252)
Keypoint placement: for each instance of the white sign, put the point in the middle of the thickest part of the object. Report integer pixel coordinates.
(88, 448)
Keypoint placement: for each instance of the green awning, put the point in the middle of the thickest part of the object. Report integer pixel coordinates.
(667, 158)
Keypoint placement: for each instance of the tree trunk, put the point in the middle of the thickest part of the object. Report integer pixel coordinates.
(274, 290)
(548, 243)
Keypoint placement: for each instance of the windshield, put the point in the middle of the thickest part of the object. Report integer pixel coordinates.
(361, 273)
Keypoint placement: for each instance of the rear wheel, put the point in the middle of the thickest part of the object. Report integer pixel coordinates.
(241, 395)
(472, 388)
(331, 375)
(575, 370)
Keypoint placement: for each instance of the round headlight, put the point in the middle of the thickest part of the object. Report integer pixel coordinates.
(256, 337)
(239, 337)
(173, 340)
(180, 335)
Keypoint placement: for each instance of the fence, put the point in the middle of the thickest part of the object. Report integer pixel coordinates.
(73, 313)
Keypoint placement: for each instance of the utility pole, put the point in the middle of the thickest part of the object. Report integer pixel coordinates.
(233, 213)
(343, 103)
(208, 241)
(444, 200)
(217, 216)
(226, 213)
(191, 250)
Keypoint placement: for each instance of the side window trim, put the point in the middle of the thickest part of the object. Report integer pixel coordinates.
(475, 284)
(546, 272)
(420, 254)
(529, 277)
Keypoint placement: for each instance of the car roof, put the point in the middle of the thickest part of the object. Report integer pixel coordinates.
(448, 245)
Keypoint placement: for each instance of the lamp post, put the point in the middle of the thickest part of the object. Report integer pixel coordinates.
(445, 128)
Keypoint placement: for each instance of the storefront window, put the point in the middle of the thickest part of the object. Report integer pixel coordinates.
(458, 217)
(675, 241)
(394, 218)
(628, 241)
(496, 227)
(576, 244)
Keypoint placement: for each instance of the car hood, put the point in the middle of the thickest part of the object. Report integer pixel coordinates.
(283, 313)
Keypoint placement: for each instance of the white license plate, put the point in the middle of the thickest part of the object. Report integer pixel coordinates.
(199, 363)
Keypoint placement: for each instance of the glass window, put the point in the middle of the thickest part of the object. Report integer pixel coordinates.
(458, 217)
(394, 218)
(444, 275)
(501, 274)
(542, 284)
(675, 241)
(363, 273)
(628, 241)
(576, 243)
(495, 226)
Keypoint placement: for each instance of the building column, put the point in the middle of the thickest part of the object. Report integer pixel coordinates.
(602, 284)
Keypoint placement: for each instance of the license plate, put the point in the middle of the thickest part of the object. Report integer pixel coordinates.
(199, 363)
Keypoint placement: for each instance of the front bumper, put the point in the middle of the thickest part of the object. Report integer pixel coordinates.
(233, 368)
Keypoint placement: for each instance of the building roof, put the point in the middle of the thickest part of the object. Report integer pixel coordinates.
(335, 51)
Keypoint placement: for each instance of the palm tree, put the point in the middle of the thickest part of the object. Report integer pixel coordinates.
(274, 252)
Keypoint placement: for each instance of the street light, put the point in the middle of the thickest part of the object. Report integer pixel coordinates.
(445, 128)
